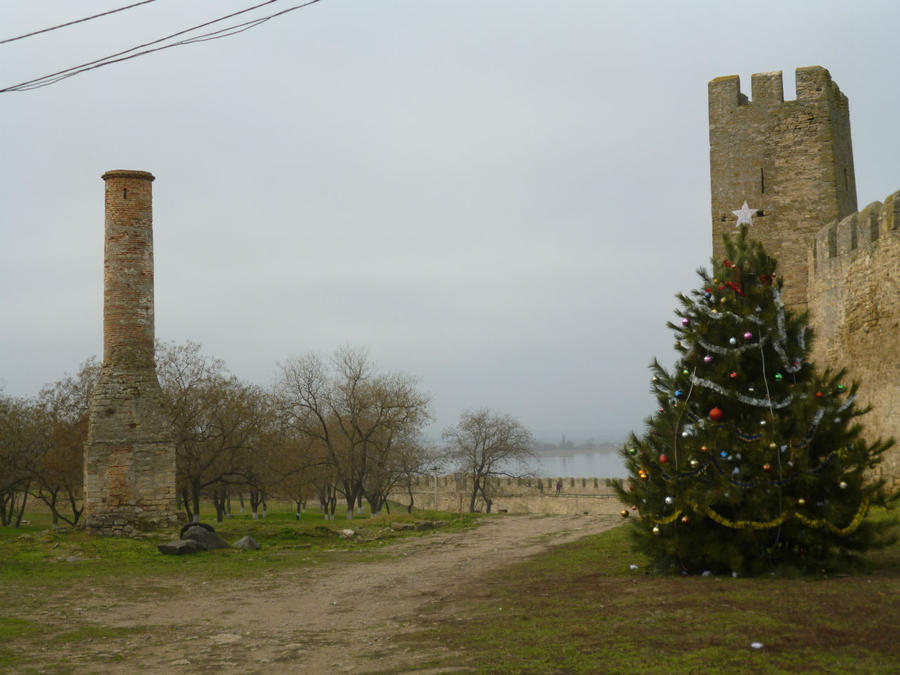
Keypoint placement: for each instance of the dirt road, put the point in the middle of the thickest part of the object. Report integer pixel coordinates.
(332, 618)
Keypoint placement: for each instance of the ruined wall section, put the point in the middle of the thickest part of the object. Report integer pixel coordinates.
(790, 160)
(854, 302)
(129, 465)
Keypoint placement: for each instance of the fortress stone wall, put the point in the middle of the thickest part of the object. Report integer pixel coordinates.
(854, 299)
(792, 162)
(516, 495)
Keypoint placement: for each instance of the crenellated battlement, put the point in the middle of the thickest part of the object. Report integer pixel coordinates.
(854, 277)
(856, 232)
(813, 84)
(791, 161)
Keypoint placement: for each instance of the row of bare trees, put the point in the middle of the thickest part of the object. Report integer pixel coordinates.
(329, 429)
(42, 445)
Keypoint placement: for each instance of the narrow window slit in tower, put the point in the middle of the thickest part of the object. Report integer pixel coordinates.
(762, 180)
(125, 193)
(846, 182)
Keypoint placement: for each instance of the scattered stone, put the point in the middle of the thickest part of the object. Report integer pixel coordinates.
(181, 547)
(400, 527)
(347, 534)
(247, 543)
(74, 558)
(205, 535)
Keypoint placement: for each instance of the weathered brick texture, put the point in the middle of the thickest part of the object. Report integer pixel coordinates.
(129, 469)
(793, 161)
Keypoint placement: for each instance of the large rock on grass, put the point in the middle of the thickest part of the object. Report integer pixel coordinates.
(204, 534)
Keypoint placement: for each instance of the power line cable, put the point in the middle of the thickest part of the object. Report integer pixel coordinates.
(125, 55)
(72, 23)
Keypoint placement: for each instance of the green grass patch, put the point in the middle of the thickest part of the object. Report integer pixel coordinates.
(36, 555)
(11, 628)
(581, 608)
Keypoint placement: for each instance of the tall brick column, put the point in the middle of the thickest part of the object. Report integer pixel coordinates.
(129, 464)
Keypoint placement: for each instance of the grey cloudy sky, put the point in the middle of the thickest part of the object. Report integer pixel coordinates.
(500, 197)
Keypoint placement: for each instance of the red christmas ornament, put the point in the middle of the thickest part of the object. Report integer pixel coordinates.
(819, 394)
(732, 374)
(767, 467)
(716, 414)
(703, 448)
(685, 520)
(663, 459)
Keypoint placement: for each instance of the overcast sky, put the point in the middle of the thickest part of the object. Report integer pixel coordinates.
(500, 197)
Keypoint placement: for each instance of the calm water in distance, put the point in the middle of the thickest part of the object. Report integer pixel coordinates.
(588, 465)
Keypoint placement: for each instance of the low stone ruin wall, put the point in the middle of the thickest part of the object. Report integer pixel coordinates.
(515, 495)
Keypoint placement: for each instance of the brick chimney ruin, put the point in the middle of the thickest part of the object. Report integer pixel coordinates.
(129, 460)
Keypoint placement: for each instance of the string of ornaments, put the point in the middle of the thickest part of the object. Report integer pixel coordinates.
(790, 365)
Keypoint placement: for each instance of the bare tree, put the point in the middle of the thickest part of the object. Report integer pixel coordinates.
(219, 424)
(58, 471)
(358, 416)
(486, 447)
(24, 436)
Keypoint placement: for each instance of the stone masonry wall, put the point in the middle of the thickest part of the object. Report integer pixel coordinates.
(129, 466)
(516, 495)
(790, 160)
(854, 300)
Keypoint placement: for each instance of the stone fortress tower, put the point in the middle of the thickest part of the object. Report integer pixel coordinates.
(129, 465)
(792, 163)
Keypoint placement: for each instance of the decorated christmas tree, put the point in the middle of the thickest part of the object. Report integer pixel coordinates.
(754, 459)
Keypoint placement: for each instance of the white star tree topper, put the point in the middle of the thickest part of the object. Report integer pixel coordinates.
(744, 215)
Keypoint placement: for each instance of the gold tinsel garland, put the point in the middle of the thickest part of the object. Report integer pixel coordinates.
(775, 522)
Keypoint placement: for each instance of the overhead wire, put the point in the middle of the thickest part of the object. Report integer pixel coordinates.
(72, 23)
(228, 31)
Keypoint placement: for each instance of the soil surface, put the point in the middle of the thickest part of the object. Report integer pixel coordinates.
(337, 617)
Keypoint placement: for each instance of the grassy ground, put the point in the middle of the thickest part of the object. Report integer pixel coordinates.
(581, 608)
(577, 608)
(40, 565)
(35, 554)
